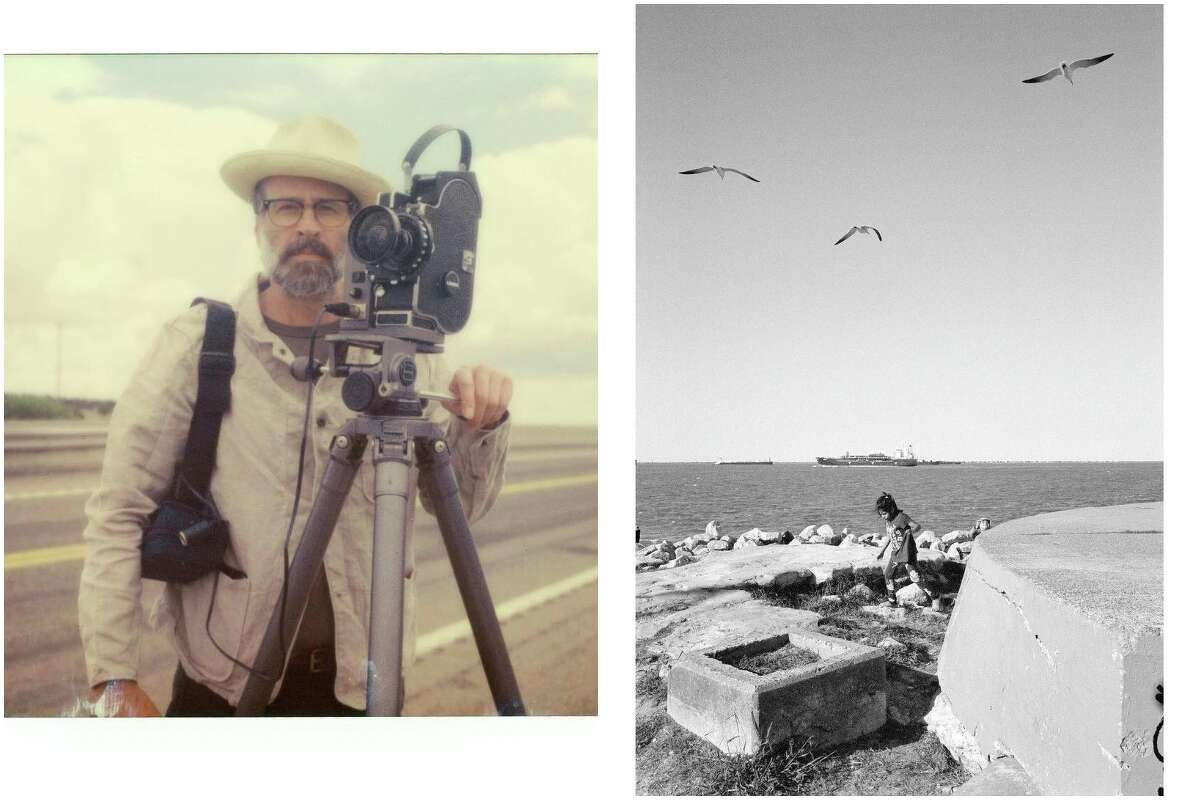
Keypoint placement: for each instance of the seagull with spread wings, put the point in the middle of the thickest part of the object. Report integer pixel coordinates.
(1066, 69)
(720, 171)
(859, 229)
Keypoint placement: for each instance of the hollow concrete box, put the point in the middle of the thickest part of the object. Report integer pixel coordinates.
(840, 697)
(1054, 652)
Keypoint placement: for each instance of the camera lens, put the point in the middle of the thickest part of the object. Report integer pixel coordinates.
(373, 234)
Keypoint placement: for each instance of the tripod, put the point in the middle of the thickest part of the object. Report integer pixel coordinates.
(393, 421)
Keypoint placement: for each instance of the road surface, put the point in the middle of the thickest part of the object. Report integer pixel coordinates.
(537, 545)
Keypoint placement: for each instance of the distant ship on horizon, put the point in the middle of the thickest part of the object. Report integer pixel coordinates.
(722, 462)
(901, 459)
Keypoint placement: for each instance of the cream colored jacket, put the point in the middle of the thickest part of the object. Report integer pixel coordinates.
(253, 485)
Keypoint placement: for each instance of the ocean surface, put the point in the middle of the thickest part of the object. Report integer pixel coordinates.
(677, 500)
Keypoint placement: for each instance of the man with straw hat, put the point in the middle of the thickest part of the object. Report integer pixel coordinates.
(303, 188)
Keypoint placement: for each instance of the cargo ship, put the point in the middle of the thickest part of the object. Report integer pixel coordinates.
(901, 459)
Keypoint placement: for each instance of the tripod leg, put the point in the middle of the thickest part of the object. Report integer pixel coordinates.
(345, 457)
(393, 507)
(437, 477)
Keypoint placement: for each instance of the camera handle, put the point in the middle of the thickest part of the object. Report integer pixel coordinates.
(418, 147)
(396, 439)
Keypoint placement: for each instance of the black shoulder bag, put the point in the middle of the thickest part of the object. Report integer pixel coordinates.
(185, 538)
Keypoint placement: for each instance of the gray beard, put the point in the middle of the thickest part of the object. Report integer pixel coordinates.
(315, 280)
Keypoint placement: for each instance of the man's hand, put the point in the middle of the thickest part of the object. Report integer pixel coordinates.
(123, 699)
(483, 395)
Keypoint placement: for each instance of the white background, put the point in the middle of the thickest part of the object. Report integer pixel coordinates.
(531, 757)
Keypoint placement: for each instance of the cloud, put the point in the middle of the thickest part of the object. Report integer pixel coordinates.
(115, 218)
(553, 98)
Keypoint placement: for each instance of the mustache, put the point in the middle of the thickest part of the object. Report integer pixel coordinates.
(313, 246)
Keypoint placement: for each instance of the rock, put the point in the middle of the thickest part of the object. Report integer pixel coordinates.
(832, 599)
(719, 544)
(849, 541)
(959, 551)
(784, 580)
(954, 537)
(770, 537)
(801, 539)
(861, 591)
(825, 530)
(728, 538)
(808, 532)
(912, 595)
(700, 551)
(954, 736)
(645, 551)
(936, 556)
(659, 557)
(891, 644)
(742, 543)
(926, 539)
(884, 611)
(751, 535)
(681, 560)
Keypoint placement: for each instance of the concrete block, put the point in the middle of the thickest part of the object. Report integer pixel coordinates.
(840, 697)
(1054, 651)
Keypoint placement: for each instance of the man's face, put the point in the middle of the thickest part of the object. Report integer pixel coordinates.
(306, 257)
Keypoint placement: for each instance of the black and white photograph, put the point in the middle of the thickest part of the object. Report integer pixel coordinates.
(900, 405)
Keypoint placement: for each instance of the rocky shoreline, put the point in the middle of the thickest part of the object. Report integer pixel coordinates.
(666, 554)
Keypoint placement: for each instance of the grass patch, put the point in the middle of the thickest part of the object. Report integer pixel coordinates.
(895, 760)
(786, 656)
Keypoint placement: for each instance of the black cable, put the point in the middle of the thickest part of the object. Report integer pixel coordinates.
(312, 340)
(340, 310)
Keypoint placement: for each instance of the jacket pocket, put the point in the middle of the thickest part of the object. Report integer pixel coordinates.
(227, 625)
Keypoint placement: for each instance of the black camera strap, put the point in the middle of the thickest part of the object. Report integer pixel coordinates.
(212, 401)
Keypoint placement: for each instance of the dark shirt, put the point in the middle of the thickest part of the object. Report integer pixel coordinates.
(316, 626)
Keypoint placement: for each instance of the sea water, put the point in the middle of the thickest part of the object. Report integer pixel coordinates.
(677, 500)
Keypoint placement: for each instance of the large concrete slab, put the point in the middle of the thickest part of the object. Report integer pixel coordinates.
(1054, 652)
(735, 569)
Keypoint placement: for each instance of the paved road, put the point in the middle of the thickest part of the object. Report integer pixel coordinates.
(538, 547)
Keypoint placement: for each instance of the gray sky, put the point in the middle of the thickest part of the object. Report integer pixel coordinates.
(116, 217)
(1014, 307)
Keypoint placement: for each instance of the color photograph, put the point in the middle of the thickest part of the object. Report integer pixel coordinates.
(300, 385)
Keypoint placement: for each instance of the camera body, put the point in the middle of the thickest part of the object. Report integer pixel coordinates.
(414, 256)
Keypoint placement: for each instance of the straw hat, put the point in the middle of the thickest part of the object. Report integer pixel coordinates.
(309, 147)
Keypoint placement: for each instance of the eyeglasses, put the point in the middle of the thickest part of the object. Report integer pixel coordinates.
(286, 212)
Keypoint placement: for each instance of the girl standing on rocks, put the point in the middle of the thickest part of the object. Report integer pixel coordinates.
(902, 530)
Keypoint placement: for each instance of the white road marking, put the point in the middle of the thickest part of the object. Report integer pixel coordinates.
(456, 631)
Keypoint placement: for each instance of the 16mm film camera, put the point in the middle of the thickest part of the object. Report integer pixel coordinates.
(416, 251)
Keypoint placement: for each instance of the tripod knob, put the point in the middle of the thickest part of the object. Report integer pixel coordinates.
(359, 391)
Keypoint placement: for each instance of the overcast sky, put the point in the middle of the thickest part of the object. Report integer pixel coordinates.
(1014, 307)
(116, 217)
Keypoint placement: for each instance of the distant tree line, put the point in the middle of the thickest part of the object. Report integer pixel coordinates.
(41, 406)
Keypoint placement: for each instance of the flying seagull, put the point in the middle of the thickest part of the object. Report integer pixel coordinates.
(720, 171)
(859, 229)
(1066, 69)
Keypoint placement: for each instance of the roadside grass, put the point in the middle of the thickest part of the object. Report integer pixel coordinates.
(897, 759)
(31, 406)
